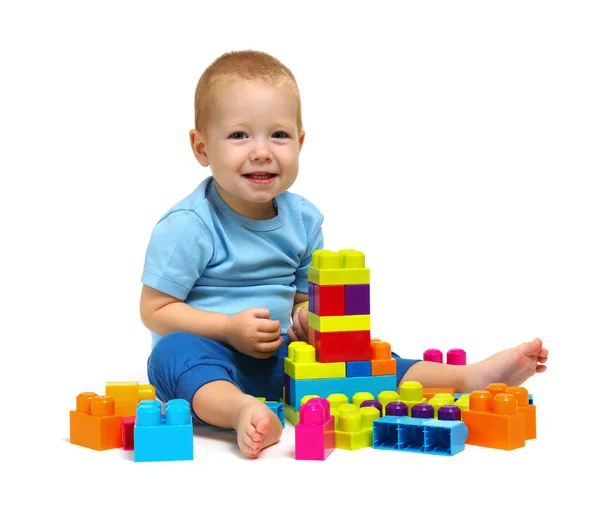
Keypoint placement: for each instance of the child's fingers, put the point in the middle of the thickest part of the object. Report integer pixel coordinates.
(261, 313)
(543, 353)
(542, 359)
(268, 326)
(269, 346)
(292, 335)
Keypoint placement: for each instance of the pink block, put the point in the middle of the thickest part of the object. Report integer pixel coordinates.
(433, 355)
(315, 432)
(128, 424)
(456, 357)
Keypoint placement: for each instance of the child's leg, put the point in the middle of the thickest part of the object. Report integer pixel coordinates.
(207, 374)
(511, 366)
(222, 404)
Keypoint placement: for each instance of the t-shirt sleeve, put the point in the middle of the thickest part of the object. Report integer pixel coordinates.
(180, 248)
(315, 242)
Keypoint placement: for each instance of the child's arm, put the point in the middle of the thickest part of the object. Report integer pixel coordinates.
(249, 331)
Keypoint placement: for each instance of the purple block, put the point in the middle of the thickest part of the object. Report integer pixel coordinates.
(422, 411)
(396, 409)
(456, 357)
(372, 403)
(358, 301)
(311, 297)
(449, 413)
(433, 355)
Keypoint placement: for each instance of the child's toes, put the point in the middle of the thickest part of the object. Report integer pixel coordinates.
(540, 368)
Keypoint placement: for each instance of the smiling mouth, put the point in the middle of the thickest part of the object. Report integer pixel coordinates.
(260, 176)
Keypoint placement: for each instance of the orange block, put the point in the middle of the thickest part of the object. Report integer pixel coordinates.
(523, 405)
(430, 392)
(380, 350)
(383, 367)
(94, 423)
(494, 422)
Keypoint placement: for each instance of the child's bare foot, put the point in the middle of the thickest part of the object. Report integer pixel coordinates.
(257, 427)
(511, 366)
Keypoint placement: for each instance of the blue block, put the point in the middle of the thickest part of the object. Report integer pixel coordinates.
(530, 399)
(277, 408)
(159, 437)
(420, 435)
(358, 368)
(346, 385)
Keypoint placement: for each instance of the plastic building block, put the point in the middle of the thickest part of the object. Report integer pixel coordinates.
(165, 437)
(396, 409)
(382, 362)
(342, 323)
(529, 410)
(431, 392)
(357, 299)
(385, 397)
(439, 400)
(373, 403)
(422, 411)
(315, 432)
(494, 422)
(301, 364)
(290, 414)
(342, 268)
(311, 297)
(94, 423)
(456, 357)
(360, 397)
(348, 386)
(277, 408)
(128, 424)
(449, 413)
(355, 428)
(411, 393)
(358, 369)
(341, 345)
(463, 401)
(127, 395)
(329, 300)
(419, 435)
(433, 355)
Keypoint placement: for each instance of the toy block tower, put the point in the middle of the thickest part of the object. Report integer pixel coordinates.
(340, 358)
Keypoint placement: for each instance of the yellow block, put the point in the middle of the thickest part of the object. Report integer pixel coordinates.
(301, 364)
(291, 415)
(439, 400)
(354, 429)
(338, 268)
(411, 393)
(127, 395)
(339, 323)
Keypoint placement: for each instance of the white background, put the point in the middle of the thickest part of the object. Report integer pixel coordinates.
(455, 143)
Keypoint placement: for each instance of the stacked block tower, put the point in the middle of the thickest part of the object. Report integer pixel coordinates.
(341, 357)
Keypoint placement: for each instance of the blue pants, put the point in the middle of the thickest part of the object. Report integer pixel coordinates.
(181, 363)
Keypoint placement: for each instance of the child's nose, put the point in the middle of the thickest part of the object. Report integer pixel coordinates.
(261, 153)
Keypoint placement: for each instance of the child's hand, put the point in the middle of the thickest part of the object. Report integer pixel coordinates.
(299, 329)
(251, 332)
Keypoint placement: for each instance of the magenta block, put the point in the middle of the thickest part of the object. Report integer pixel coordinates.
(128, 424)
(315, 432)
(456, 357)
(358, 299)
(433, 355)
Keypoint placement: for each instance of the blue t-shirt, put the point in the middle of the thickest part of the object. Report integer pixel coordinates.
(204, 253)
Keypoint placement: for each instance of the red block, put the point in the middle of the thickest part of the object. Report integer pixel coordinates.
(330, 300)
(341, 345)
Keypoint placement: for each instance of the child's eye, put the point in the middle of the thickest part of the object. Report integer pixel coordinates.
(238, 135)
(280, 135)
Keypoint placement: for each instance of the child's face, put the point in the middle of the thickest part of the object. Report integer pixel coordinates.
(252, 145)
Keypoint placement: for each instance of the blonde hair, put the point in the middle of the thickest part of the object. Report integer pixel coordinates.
(246, 64)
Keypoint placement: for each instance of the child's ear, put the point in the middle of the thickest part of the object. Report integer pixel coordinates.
(197, 141)
(301, 140)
